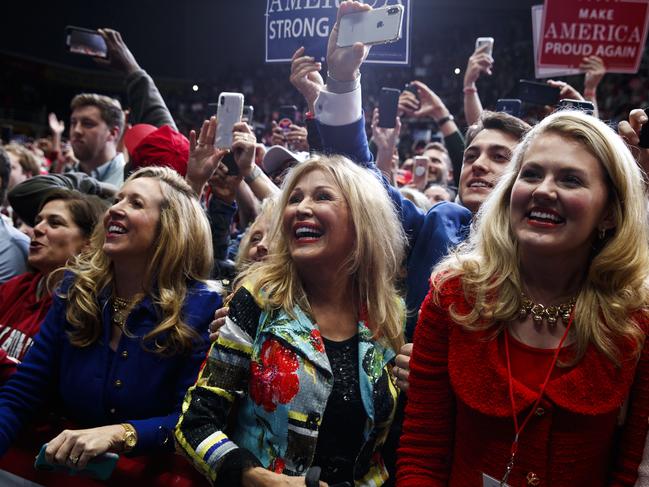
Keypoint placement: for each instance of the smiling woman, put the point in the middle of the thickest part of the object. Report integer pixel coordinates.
(126, 333)
(533, 332)
(308, 342)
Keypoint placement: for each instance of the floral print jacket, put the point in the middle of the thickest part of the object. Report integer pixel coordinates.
(276, 369)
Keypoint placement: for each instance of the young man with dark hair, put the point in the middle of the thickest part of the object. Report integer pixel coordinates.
(489, 147)
(96, 124)
(14, 245)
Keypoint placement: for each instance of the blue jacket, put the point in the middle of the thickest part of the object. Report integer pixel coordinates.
(276, 367)
(430, 235)
(97, 387)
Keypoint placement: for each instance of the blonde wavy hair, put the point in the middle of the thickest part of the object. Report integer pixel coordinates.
(615, 284)
(182, 250)
(373, 264)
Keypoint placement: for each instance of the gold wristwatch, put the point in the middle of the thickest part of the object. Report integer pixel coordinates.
(129, 438)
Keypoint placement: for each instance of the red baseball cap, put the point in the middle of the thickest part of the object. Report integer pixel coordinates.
(151, 146)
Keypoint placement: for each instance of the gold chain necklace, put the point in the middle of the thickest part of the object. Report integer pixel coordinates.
(550, 314)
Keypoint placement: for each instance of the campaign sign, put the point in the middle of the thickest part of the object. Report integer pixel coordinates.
(539, 72)
(294, 23)
(615, 30)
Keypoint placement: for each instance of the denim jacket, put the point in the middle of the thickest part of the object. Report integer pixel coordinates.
(275, 365)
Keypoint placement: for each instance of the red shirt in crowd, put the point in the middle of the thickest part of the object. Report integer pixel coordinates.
(21, 315)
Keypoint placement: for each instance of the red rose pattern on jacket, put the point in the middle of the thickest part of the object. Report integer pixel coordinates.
(315, 339)
(273, 378)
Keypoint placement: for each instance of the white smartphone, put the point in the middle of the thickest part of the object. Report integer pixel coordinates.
(228, 112)
(378, 26)
(481, 41)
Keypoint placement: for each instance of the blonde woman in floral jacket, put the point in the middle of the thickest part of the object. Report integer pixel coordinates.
(307, 348)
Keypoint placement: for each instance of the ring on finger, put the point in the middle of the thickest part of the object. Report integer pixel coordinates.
(74, 459)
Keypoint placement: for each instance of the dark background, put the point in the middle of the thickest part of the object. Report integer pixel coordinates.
(219, 45)
(198, 39)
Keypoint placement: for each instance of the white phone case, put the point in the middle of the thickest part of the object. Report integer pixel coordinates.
(229, 111)
(480, 41)
(378, 26)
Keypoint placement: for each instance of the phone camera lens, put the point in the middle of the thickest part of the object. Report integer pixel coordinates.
(222, 101)
(393, 11)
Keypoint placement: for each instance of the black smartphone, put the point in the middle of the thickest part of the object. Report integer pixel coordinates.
(538, 93)
(86, 42)
(644, 133)
(512, 106)
(388, 105)
(583, 105)
(287, 116)
(231, 164)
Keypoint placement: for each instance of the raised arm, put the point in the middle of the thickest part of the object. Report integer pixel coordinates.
(145, 100)
(479, 62)
(595, 71)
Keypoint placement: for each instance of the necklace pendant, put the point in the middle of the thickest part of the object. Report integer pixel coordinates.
(538, 319)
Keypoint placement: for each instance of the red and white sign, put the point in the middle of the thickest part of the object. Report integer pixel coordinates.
(615, 30)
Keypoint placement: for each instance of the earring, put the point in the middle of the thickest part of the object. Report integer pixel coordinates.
(601, 233)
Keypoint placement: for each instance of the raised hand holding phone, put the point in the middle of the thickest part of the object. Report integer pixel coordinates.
(228, 113)
(344, 62)
(305, 76)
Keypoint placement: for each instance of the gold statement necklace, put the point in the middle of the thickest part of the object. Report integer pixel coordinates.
(121, 309)
(541, 313)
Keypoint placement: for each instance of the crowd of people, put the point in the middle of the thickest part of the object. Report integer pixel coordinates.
(334, 302)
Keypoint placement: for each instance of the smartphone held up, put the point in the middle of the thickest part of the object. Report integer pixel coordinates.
(228, 113)
(377, 26)
(86, 42)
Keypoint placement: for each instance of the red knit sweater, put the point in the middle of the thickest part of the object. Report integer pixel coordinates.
(459, 423)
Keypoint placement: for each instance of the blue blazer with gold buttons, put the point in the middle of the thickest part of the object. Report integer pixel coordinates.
(97, 386)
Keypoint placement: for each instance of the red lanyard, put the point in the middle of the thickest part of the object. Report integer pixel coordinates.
(518, 430)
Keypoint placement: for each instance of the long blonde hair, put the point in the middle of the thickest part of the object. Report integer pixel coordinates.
(373, 264)
(615, 284)
(182, 251)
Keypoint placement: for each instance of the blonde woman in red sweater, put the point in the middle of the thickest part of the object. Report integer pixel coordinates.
(529, 341)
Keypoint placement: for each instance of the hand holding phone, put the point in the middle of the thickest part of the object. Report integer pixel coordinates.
(100, 467)
(485, 41)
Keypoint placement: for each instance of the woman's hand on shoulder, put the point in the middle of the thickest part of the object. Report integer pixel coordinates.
(260, 477)
(75, 448)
